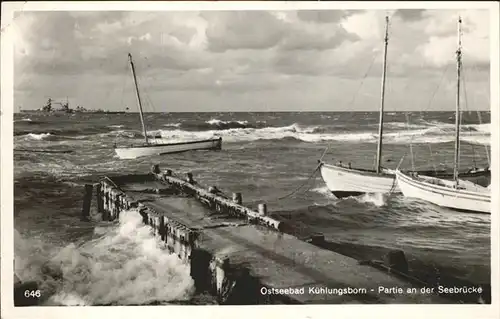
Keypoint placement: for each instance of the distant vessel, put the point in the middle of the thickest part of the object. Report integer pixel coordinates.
(457, 194)
(148, 149)
(49, 108)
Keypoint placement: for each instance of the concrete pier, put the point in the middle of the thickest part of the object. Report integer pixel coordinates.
(248, 257)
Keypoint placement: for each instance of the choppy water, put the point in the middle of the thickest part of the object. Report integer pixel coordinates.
(265, 156)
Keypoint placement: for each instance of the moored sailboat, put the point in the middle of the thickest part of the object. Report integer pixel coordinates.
(149, 149)
(458, 193)
(345, 180)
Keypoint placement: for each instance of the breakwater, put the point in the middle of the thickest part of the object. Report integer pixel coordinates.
(245, 256)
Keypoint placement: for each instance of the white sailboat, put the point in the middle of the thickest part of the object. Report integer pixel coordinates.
(344, 180)
(149, 149)
(458, 193)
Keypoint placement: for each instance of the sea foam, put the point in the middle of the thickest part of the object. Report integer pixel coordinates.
(124, 264)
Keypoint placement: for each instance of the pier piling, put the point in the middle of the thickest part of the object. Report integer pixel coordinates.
(213, 190)
(105, 200)
(396, 259)
(156, 169)
(237, 198)
(99, 199)
(318, 239)
(87, 199)
(189, 178)
(262, 209)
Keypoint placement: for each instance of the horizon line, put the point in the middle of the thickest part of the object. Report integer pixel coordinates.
(239, 111)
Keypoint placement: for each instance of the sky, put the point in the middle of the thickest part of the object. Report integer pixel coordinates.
(323, 60)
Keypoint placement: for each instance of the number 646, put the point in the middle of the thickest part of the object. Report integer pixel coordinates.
(32, 294)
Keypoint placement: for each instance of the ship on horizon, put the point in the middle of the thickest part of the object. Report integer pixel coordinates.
(49, 108)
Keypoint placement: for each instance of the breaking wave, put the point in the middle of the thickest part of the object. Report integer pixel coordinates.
(124, 264)
(63, 132)
(216, 124)
(49, 137)
(324, 191)
(473, 133)
(122, 133)
(478, 140)
(172, 124)
(295, 131)
(242, 131)
(403, 125)
(28, 121)
(38, 137)
(445, 133)
(377, 199)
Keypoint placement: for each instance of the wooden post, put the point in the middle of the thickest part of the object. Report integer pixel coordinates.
(114, 195)
(318, 239)
(162, 228)
(126, 203)
(237, 198)
(99, 199)
(156, 169)
(87, 199)
(262, 209)
(144, 214)
(111, 206)
(189, 178)
(396, 259)
(105, 211)
(225, 263)
(118, 205)
(168, 234)
(213, 190)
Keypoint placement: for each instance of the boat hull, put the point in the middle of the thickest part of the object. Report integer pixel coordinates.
(167, 148)
(344, 182)
(462, 200)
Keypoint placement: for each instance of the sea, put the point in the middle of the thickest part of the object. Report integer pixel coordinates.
(268, 157)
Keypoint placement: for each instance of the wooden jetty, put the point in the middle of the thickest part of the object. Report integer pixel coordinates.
(244, 256)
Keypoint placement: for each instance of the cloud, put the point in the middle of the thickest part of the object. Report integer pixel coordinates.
(71, 43)
(230, 53)
(367, 25)
(442, 30)
(410, 14)
(243, 30)
(326, 16)
(260, 30)
(315, 37)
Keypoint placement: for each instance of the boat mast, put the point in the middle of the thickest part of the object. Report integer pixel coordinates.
(138, 98)
(457, 111)
(381, 119)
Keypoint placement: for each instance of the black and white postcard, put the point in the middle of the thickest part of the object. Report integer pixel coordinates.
(301, 159)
